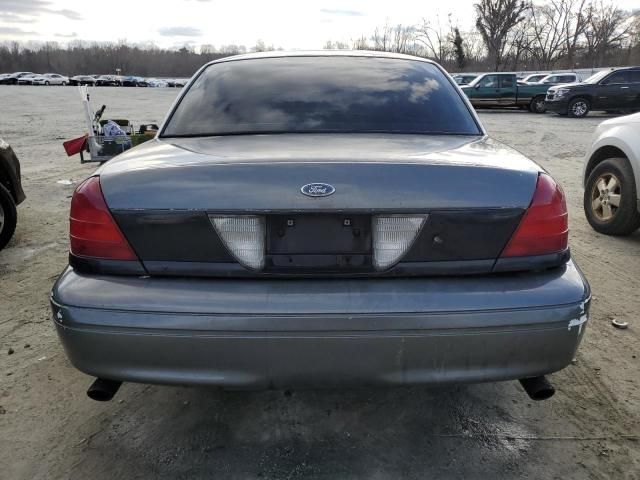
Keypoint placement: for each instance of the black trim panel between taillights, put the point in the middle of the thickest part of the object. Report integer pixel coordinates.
(452, 242)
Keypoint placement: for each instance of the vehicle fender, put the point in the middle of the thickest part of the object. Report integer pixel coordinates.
(580, 94)
(623, 138)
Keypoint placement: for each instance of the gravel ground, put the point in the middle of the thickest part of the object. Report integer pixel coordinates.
(50, 429)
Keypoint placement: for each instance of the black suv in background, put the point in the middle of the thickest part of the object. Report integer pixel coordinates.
(11, 193)
(616, 89)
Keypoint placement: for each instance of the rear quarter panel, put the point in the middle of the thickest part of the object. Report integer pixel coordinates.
(525, 93)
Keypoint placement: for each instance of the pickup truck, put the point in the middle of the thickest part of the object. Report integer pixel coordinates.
(502, 90)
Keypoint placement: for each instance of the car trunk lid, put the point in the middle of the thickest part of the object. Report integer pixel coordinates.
(456, 200)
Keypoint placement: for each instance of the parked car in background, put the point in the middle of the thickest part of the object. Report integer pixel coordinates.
(131, 81)
(533, 78)
(365, 177)
(177, 82)
(82, 80)
(559, 78)
(27, 79)
(502, 90)
(158, 83)
(50, 79)
(12, 78)
(612, 177)
(464, 78)
(616, 90)
(108, 81)
(11, 193)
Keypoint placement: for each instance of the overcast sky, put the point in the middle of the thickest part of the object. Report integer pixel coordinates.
(289, 24)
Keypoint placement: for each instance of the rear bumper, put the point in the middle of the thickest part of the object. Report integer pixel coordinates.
(286, 333)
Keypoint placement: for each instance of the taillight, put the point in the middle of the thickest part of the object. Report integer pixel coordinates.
(544, 228)
(244, 236)
(393, 235)
(93, 231)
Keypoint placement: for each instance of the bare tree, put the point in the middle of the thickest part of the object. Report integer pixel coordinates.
(473, 46)
(260, 46)
(576, 17)
(360, 43)
(547, 28)
(381, 38)
(435, 38)
(495, 19)
(403, 40)
(398, 39)
(206, 49)
(232, 49)
(607, 29)
(519, 47)
(338, 45)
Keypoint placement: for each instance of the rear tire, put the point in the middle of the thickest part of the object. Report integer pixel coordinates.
(578, 107)
(46, 83)
(8, 216)
(537, 105)
(601, 196)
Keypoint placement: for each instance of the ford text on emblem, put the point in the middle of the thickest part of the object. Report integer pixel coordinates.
(317, 189)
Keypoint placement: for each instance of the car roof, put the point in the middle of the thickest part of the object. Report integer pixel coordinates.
(321, 53)
(561, 73)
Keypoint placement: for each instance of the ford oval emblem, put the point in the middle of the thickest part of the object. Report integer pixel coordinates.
(317, 189)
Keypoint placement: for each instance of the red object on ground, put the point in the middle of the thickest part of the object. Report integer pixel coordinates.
(76, 145)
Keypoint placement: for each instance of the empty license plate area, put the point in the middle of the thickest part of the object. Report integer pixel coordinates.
(319, 242)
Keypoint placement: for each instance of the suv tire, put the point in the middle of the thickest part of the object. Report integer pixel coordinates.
(537, 104)
(578, 107)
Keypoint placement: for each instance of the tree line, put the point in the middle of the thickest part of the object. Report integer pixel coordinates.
(519, 35)
(507, 35)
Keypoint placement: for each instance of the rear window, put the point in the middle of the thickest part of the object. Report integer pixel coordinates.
(321, 94)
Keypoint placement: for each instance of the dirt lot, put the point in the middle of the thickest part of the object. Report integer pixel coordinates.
(50, 429)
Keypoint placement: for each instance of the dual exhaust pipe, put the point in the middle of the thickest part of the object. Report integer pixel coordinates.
(538, 388)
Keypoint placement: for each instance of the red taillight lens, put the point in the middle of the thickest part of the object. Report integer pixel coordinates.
(544, 228)
(93, 231)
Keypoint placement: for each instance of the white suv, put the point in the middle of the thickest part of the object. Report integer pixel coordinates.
(559, 79)
(612, 177)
